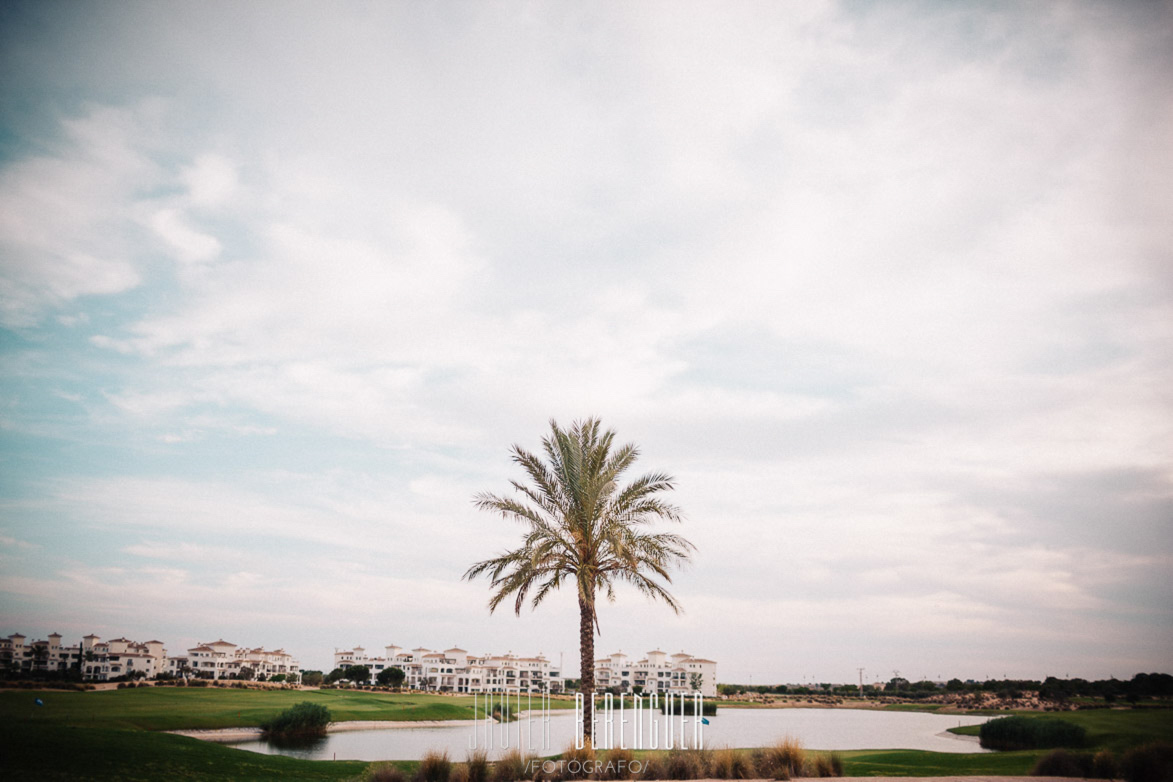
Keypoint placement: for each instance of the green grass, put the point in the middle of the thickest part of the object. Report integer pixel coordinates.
(176, 708)
(114, 734)
(1111, 729)
(918, 763)
(52, 752)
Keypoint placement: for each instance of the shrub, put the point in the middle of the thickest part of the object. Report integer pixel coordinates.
(617, 765)
(384, 772)
(1148, 763)
(477, 764)
(459, 773)
(726, 763)
(655, 767)
(1011, 733)
(1104, 765)
(760, 766)
(721, 763)
(783, 759)
(825, 764)
(1061, 763)
(302, 719)
(511, 767)
(685, 764)
(434, 767)
(836, 764)
(576, 763)
(687, 706)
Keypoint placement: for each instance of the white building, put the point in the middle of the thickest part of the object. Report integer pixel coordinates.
(44, 655)
(455, 670)
(659, 672)
(103, 660)
(99, 660)
(221, 659)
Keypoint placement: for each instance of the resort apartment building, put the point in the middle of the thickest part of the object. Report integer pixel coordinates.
(221, 659)
(104, 660)
(44, 655)
(100, 660)
(659, 672)
(455, 670)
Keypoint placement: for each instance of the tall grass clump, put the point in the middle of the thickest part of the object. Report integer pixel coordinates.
(655, 767)
(576, 763)
(1148, 763)
(685, 764)
(459, 773)
(1012, 733)
(783, 759)
(478, 767)
(760, 766)
(384, 772)
(434, 767)
(1104, 765)
(726, 763)
(511, 767)
(302, 719)
(616, 765)
(825, 764)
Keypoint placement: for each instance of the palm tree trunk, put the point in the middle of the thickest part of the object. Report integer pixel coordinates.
(586, 646)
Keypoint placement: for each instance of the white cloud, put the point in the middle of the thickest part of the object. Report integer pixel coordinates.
(211, 179)
(190, 245)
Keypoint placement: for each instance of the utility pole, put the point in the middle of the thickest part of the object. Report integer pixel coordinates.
(860, 681)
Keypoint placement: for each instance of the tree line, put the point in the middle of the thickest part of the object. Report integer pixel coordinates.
(1142, 685)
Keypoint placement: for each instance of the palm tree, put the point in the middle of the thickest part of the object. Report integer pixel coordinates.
(582, 527)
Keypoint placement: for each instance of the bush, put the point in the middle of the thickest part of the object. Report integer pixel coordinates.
(685, 764)
(1012, 733)
(655, 767)
(760, 766)
(384, 772)
(1061, 763)
(459, 773)
(1104, 765)
(783, 759)
(826, 764)
(1148, 763)
(511, 767)
(302, 719)
(726, 763)
(434, 767)
(478, 767)
(576, 763)
(617, 765)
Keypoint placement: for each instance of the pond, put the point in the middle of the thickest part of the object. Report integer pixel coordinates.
(837, 729)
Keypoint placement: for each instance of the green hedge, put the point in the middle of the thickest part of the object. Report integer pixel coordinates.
(1013, 733)
(302, 719)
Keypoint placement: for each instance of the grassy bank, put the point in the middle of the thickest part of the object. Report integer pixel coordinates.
(916, 763)
(53, 752)
(176, 708)
(1111, 729)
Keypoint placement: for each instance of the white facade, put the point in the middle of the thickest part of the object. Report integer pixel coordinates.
(99, 660)
(455, 670)
(43, 655)
(103, 660)
(221, 659)
(659, 672)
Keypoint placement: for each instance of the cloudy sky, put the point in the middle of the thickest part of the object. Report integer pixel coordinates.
(887, 287)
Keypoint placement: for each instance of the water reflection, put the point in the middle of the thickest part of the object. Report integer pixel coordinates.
(837, 729)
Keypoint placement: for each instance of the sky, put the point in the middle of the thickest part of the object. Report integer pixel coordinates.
(886, 287)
